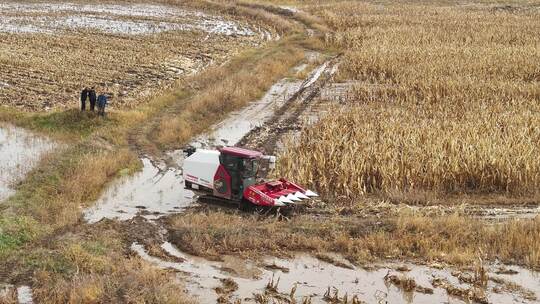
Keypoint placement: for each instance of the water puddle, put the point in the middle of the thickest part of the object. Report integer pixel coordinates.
(155, 191)
(24, 295)
(20, 151)
(316, 279)
(136, 19)
(489, 213)
(11, 294)
(497, 214)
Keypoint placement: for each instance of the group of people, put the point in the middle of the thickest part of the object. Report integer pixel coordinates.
(90, 95)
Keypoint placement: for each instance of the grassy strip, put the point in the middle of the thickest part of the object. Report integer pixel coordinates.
(92, 266)
(453, 239)
(54, 193)
(70, 125)
(244, 79)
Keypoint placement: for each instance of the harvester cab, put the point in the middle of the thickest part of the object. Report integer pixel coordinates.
(231, 174)
(237, 171)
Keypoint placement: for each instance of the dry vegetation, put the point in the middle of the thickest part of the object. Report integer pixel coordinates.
(453, 239)
(93, 266)
(446, 100)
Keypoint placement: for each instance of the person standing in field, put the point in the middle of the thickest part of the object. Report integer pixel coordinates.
(101, 103)
(84, 96)
(92, 97)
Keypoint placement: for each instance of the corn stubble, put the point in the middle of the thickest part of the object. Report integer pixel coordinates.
(446, 100)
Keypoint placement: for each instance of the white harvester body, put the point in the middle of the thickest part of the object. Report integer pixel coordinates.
(199, 168)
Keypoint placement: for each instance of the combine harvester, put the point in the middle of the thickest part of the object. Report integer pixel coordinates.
(230, 174)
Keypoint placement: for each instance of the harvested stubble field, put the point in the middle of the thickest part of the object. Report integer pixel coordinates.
(49, 52)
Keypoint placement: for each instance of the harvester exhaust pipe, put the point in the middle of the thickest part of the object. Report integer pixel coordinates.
(271, 161)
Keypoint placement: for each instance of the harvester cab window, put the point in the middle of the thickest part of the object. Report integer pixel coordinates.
(230, 162)
(250, 166)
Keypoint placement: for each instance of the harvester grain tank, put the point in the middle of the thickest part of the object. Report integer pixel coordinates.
(230, 173)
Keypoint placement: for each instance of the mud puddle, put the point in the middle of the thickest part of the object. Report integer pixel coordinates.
(158, 189)
(275, 278)
(498, 214)
(489, 213)
(24, 295)
(20, 151)
(155, 191)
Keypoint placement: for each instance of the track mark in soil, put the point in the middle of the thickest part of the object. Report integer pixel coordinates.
(286, 119)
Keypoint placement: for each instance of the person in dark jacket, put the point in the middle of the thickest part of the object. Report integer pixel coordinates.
(84, 96)
(92, 97)
(101, 103)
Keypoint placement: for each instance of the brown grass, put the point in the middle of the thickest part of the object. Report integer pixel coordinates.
(57, 202)
(453, 239)
(134, 282)
(8, 295)
(445, 101)
(90, 266)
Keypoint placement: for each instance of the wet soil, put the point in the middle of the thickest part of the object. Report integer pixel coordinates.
(288, 118)
(308, 277)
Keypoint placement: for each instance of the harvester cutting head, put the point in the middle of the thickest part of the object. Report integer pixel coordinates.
(231, 174)
(277, 193)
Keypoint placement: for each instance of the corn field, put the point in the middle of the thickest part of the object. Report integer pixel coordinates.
(447, 99)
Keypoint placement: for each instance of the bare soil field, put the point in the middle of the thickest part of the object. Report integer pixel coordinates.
(50, 51)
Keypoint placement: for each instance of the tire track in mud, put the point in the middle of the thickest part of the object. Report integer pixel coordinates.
(265, 138)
